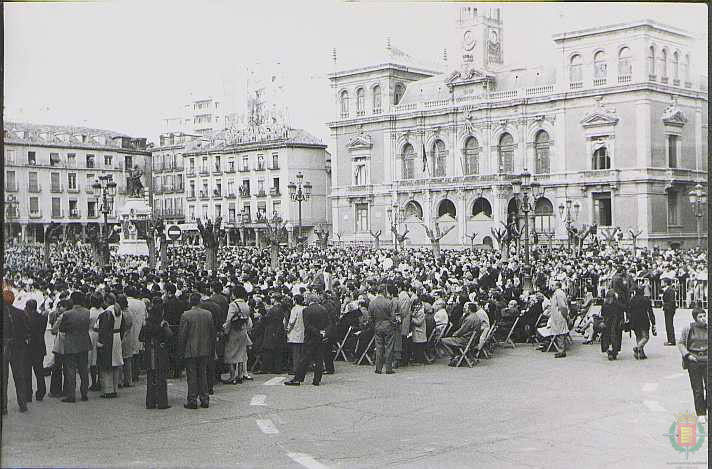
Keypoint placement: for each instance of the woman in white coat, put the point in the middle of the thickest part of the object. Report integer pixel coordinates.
(295, 332)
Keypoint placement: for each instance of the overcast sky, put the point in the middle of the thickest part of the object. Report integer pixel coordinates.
(126, 65)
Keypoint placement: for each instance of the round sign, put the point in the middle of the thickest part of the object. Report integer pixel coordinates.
(174, 232)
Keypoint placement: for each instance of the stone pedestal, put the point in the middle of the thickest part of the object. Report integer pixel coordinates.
(135, 210)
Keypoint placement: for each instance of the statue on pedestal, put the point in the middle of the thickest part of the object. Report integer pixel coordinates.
(134, 186)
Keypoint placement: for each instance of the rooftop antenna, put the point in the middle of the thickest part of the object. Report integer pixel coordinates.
(445, 56)
(333, 55)
(388, 43)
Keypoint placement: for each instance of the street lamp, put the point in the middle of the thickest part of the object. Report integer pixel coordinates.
(300, 192)
(11, 204)
(525, 188)
(107, 186)
(698, 198)
(396, 215)
(570, 216)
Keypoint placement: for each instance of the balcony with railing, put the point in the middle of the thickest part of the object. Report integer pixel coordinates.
(217, 170)
(59, 214)
(75, 213)
(190, 196)
(624, 78)
(230, 195)
(274, 192)
(157, 189)
(168, 189)
(576, 85)
(377, 110)
(261, 194)
(688, 84)
(244, 191)
(676, 82)
(73, 189)
(217, 194)
(10, 187)
(599, 81)
(157, 168)
(260, 167)
(230, 169)
(360, 113)
(93, 214)
(56, 189)
(244, 169)
(35, 188)
(36, 214)
(652, 77)
(204, 171)
(274, 167)
(204, 195)
(664, 80)
(190, 172)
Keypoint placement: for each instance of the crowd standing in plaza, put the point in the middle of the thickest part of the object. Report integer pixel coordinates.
(109, 325)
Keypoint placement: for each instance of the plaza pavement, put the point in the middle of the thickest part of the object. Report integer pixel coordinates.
(521, 409)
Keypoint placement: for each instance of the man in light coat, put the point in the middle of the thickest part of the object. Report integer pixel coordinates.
(137, 310)
(558, 325)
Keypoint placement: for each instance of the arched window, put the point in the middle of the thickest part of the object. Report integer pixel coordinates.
(360, 101)
(439, 159)
(506, 153)
(408, 161)
(575, 71)
(600, 68)
(543, 216)
(472, 156)
(625, 66)
(675, 66)
(541, 147)
(686, 68)
(376, 99)
(482, 206)
(446, 206)
(663, 64)
(651, 60)
(344, 103)
(601, 160)
(413, 209)
(400, 90)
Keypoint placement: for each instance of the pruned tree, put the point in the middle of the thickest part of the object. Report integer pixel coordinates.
(156, 229)
(400, 237)
(634, 236)
(323, 235)
(435, 235)
(472, 237)
(339, 235)
(275, 233)
(586, 231)
(377, 238)
(211, 240)
(500, 234)
(609, 234)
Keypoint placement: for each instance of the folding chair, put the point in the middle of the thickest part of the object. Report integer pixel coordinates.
(369, 348)
(463, 353)
(487, 342)
(508, 340)
(533, 338)
(340, 346)
(552, 342)
(434, 342)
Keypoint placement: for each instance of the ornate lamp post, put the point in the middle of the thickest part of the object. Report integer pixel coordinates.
(524, 188)
(300, 192)
(569, 216)
(396, 215)
(107, 186)
(698, 198)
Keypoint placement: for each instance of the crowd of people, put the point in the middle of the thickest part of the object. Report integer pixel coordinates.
(395, 308)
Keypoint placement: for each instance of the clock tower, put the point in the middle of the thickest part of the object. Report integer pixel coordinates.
(480, 35)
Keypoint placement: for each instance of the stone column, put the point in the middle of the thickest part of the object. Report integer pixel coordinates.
(642, 133)
(257, 237)
(463, 215)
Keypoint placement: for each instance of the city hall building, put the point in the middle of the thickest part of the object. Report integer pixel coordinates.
(615, 133)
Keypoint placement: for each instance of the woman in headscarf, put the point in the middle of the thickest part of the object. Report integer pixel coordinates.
(155, 335)
(111, 327)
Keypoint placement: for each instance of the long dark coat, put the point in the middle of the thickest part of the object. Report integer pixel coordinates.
(641, 313)
(106, 338)
(275, 337)
(156, 341)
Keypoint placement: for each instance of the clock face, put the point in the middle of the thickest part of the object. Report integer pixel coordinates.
(468, 40)
(493, 36)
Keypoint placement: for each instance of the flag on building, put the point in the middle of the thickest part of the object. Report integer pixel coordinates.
(425, 158)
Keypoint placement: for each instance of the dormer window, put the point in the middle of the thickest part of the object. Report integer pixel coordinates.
(344, 103)
(398, 95)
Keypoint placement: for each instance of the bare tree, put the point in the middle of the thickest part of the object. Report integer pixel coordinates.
(276, 233)
(472, 237)
(435, 235)
(377, 238)
(51, 234)
(609, 234)
(323, 235)
(400, 237)
(500, 234)
(211, 240)
(634, 236)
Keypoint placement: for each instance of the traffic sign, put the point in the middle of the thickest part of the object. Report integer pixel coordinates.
(174, 232)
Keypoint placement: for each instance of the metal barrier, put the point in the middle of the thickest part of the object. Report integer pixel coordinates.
(686, 294)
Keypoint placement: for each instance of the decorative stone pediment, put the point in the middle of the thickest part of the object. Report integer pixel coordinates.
(601, 116)
(464, 75)
(360, 142)
(673, 115)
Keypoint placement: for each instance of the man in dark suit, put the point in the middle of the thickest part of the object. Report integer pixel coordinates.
(196, 343)
(37, 324)
(173, 309)
(15, 333)
(77, 343)
(215, 366)
(316, 321)
(669, 308)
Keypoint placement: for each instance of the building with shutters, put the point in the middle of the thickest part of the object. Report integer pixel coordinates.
(49, 172)
(617, 127)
